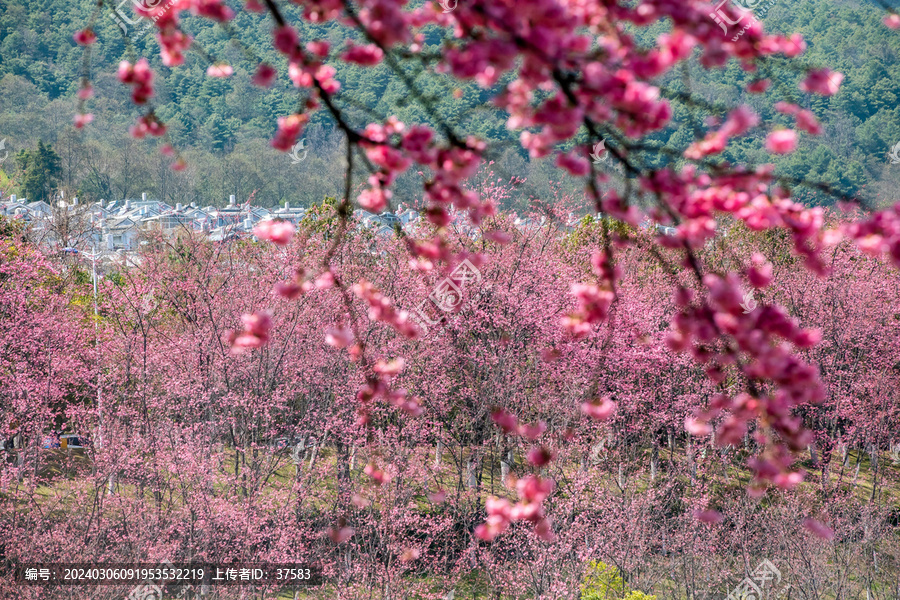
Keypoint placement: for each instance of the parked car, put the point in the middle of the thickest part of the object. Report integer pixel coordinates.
(281, 443)
(287, 443)
(72, 441)
(51, 441)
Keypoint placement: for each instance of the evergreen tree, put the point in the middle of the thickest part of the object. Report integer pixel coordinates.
(41, 171)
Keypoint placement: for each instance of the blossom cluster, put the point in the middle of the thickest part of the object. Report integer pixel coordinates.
(718, 332)
(532, 490)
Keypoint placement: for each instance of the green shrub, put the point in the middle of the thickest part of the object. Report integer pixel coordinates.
(603, 582)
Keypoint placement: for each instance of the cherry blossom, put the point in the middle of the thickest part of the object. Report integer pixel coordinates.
(782, 141)
(277, 232)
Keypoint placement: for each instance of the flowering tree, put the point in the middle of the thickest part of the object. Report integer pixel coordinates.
(48, 382)
(47, 351)
(264, 450)
(748, 371)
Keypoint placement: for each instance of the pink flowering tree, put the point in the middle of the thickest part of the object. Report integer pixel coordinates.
(568, 77)
(234, 427)
(49, 373)
(48, 353)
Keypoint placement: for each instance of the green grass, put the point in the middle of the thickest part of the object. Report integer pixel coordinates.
(58, 495)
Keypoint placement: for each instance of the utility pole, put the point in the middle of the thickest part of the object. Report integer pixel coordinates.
(93, 256)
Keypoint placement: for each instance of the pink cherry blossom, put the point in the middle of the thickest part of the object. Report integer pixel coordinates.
(289, 129)
(505, 420)
(219, 70)
(366, 56)
(83, 119)
(140, 77)
(819, 529)
(277, 232)
(532, 432)
(781, 141)
(709, 516)
(759, 86)
(148, 125)
(85, 37)
(341, 533)
(378, 476)
(265, 75)
(540, 456)
(339, 337)
(438, 496)
(600, 410)
(290, 290)
(666, 322)
(255, 333)
(822, 81)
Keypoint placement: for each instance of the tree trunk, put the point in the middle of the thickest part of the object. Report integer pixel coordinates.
(471, 476)
(298, 453)
(37, 455)
(505, 464)
(353, 458)
(654, 461)
(343, 462)
(438, 452)
(690, 458)
(20, 460)
(312, 458)
(595, 451)
(874, 455)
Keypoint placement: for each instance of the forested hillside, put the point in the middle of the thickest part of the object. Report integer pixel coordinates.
(223, 126)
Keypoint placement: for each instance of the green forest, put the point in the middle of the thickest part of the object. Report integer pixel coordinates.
(222, 127)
